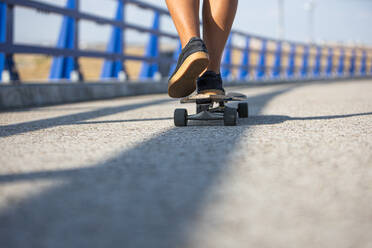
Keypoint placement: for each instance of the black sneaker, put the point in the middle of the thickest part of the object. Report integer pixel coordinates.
(210, 83)
(191, 63)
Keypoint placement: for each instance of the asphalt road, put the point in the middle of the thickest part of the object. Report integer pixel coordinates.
(117, 173)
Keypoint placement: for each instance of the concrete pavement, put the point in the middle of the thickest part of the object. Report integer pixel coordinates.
(117, 173)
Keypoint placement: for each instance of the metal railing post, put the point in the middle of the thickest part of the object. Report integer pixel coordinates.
(244, 71)
(226, 61)
(2, 36)
(110, 68)
(341, 63)
(276, 72)
(318, 62)
(292, 61)
(329, 68)
(76, 73)
(305, 61)
(8, 68)
(352, 62)
(149, 70)
(261, 65)
(363, 63)
(64, 67)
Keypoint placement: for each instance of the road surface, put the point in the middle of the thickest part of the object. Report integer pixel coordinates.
(117, 173)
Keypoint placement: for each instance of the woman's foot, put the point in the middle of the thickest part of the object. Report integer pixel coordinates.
(210, 83)
(192, 61)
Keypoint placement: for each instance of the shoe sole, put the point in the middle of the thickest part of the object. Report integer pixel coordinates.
(183, 82)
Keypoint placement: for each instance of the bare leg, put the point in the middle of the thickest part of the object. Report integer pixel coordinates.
(185, 15)
(218, 17)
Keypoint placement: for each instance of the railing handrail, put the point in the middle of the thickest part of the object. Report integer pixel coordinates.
(8, 47)
(45, 7)
(77, 14)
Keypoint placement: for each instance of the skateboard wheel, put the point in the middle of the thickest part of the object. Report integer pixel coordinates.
(180, 117)
(243, 110)
(229, 117)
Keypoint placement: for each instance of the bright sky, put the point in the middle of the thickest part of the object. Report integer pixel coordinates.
(335, 20)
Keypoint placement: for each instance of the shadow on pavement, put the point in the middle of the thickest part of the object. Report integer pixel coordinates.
(276, 119)
(123, 121)
(9, 130)
(149, 196)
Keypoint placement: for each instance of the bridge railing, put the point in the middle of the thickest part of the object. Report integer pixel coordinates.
(260, 58)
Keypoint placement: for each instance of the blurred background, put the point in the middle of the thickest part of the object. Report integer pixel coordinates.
(325, 22)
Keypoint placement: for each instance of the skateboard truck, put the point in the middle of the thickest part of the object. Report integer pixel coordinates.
(205, 110)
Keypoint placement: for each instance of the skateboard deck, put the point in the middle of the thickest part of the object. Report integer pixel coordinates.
(206, 109)
(204, 98)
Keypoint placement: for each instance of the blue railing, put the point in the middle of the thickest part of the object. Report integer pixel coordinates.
(260, 59)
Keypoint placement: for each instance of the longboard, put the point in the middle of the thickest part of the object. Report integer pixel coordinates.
(206, 109)
(232, 96)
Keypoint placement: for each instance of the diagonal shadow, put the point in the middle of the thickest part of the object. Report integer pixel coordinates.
(148, 196)
(9, 130)
(123, 121)
(49, 108)
(276, 119)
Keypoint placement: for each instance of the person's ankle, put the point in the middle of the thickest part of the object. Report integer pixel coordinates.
(188, 40)
(217, 72)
